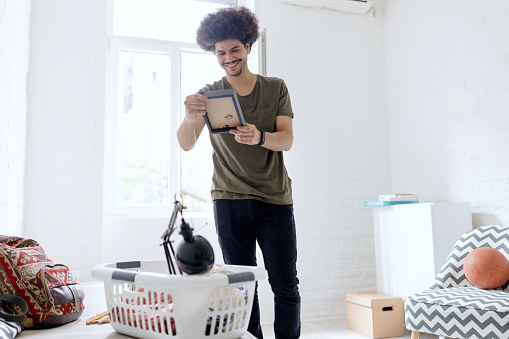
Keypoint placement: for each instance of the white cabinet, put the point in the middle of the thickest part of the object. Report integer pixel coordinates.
(412, 242)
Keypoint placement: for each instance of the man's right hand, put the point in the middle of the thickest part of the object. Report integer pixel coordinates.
(195, 106)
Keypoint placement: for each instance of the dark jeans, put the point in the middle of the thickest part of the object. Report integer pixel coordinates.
(239, 224)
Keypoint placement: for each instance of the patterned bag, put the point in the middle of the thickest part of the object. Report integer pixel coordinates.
(53, 295)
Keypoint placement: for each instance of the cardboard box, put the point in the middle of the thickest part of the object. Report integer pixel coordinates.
(375, 314)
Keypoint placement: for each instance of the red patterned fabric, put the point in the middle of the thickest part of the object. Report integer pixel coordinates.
(49, 289)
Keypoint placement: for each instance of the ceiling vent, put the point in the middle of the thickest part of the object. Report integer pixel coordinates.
(347, 6)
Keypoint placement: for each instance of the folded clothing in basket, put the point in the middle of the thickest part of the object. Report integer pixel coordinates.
(223, 299)
(218, 269)
(144, 319)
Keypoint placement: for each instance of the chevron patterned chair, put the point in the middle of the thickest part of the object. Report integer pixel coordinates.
(453, 307)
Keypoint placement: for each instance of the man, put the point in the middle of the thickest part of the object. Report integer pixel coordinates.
(251, 189)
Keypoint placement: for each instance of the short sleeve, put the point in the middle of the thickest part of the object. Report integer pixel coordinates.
(284, 104)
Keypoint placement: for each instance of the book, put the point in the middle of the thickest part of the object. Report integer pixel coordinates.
(387, 203)
(398, 197)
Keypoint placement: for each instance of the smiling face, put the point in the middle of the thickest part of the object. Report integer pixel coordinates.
(232, 56)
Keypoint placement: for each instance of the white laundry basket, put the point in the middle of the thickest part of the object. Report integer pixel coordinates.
(145, 301)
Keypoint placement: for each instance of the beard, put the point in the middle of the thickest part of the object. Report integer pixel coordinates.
(240, 69)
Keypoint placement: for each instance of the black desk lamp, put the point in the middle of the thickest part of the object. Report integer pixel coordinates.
(194, 255)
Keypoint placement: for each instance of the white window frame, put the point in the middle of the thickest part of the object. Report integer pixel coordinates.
(173, 49)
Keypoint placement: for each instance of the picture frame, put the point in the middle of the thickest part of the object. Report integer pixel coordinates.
(223, 111)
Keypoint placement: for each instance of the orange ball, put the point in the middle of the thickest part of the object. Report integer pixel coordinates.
(486, 268)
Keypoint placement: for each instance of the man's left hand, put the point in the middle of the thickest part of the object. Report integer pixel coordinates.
(248, 135)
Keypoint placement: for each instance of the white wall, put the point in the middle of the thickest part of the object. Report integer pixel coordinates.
(63, 203)
(14, 55)
(448, 90)
(333, 64)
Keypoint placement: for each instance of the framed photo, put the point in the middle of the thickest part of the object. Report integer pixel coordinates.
(223, 111)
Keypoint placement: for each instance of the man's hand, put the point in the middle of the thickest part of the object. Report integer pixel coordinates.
(191, 127)
(248, 134)
(195, 106)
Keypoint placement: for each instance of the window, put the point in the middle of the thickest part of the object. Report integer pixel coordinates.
(153, 64)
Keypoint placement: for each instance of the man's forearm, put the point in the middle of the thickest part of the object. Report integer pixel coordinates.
(186, 135)
(278, 141)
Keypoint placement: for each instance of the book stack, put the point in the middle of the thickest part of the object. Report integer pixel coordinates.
(399, 197)
(393, 199)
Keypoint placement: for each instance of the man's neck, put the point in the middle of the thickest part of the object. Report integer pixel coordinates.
(244, 83)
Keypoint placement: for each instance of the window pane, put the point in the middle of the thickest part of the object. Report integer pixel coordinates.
(197, 70)
(252, 57)
(143, 129)
(175, 20)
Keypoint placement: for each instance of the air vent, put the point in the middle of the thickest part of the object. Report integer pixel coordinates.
(348, 6)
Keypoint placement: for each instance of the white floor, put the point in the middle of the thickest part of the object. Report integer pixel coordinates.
(95, 303)
(330, 329)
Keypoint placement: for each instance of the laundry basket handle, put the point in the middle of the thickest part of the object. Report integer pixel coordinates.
(124, 275)
(234, 278)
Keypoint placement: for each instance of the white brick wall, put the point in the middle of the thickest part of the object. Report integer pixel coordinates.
(14, 55)
(448, 90)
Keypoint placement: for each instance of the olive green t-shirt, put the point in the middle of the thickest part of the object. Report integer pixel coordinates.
(251, 171)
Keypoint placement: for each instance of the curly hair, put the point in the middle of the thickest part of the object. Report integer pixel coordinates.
(227, 23)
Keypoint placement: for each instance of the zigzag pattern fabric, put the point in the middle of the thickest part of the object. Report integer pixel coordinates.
(451, 274)
(467, 297)
(456, 322)
(452, 307)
